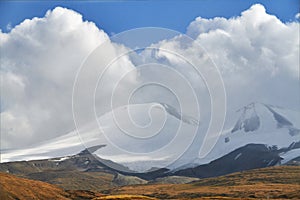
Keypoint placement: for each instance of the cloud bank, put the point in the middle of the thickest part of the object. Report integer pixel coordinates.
(258, 56)
(256, 53)
(39, 61)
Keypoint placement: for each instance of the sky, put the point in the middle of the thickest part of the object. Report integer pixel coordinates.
(117, 16)
(255, 48)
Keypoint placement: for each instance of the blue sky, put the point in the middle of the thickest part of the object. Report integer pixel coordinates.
(118, 16)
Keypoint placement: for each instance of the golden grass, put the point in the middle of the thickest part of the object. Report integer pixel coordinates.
(12, 187)
(268, 183)
(125, 197)
(260, 191)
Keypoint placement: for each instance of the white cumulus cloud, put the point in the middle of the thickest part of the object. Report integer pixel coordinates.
(257, 54)
(39, 61)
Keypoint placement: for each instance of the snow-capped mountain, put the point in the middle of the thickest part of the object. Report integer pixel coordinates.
(151, 126)
(258, 123)
(275, 130)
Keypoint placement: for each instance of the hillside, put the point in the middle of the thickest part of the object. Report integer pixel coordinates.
(13, 187)
(282, 182)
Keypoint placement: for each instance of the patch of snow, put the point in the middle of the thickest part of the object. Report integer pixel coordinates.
(290, 155)
(269, 163)
(237, 156)
(60, 159)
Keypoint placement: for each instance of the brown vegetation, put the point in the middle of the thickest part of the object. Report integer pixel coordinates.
(125, 197)
(268, 183)
(281, 182)
(13, 187)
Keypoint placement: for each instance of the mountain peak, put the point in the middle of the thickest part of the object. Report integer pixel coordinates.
(256, 114)
(249, 120)
(91, 150)
(180, 116)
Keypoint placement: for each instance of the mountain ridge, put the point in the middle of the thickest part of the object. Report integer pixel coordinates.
(269, 134)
